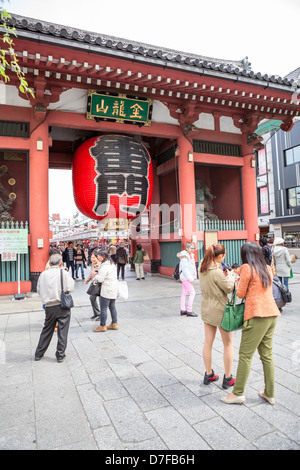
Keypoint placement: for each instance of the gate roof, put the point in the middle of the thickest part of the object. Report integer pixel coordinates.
(70, 57)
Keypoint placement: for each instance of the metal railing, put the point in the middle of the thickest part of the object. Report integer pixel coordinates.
(233, 250)
(220, 225)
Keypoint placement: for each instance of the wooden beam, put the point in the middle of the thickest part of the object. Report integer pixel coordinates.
(79, 121)
(72, 65)
(11, 143)
(49, 61)
(83, 67)
(60, 160)
(25, 57)
(61, 63)
(37, 59)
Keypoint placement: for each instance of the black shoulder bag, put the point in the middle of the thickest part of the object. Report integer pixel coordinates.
(66, 300)
(94, 289)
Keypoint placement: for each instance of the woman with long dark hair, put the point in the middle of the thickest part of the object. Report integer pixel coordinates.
(215, 284)
(107, 277)
(260, 318)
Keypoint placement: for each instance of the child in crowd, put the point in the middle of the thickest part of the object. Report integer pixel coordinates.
(236, 271)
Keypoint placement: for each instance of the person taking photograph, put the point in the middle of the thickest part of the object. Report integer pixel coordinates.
(94, 299)
(107, 277)
(215, 284)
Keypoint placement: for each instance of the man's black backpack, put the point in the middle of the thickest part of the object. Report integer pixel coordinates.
(267, 250)
(285, 293)
(176, 273)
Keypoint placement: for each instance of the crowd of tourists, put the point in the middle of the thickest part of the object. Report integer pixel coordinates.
(107, 263)
(252, 283)
(77, 257)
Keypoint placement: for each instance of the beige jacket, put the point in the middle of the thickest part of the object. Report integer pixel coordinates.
(214, 286)
(94, 268)
(49, 285)
(107, 276)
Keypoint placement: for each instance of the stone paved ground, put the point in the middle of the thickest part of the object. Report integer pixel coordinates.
(140, 387)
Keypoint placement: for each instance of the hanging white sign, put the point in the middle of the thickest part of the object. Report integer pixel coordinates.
(14, 241)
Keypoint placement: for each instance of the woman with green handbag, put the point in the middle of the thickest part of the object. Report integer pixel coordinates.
(260, 318)
(215, 284)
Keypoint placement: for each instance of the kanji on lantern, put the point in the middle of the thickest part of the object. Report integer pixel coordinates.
(112, 177)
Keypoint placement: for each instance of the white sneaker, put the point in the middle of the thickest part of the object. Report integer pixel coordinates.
(270, 400)
(237, 400)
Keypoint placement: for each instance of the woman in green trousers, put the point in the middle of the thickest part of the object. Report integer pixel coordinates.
(260, 318)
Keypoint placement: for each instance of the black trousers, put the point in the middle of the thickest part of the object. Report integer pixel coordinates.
(71, 264)
(54, 315)
(120, 267)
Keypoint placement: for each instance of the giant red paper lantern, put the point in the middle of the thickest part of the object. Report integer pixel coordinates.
(112, 177)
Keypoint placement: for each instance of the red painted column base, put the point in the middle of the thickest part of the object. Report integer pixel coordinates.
(11, 288)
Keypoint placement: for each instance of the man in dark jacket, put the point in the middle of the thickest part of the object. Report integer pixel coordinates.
(80, 260)
(121, 260)
(267, 250)
(70, 253)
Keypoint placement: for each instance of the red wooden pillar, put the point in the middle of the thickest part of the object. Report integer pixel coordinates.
(38, 193)
(186, 176)
(154, 216)
(250, 198)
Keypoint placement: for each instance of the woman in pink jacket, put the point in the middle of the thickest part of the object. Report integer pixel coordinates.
(188, 274)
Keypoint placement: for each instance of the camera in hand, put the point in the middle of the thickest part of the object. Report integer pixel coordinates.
(226, 267)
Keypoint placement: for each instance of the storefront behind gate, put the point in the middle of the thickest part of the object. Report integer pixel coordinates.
(286, 164)
(199, 132)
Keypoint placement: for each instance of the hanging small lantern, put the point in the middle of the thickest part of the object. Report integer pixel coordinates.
(112, 177)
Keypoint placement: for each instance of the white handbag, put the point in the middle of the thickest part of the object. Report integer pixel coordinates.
(123, 289)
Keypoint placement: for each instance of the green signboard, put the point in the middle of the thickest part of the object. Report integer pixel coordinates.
(119, 108)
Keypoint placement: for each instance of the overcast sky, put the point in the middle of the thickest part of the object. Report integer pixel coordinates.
(267, 31)
(61, 199)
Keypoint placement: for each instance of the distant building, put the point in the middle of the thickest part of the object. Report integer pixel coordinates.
(265, 176)
(285, 222)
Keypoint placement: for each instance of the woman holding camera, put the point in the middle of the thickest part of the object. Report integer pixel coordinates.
(93, 298)
(215, 284)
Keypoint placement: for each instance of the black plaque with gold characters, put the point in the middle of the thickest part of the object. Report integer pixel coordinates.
(127, 109)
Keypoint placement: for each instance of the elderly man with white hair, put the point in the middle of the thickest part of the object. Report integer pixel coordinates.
(49, 288)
